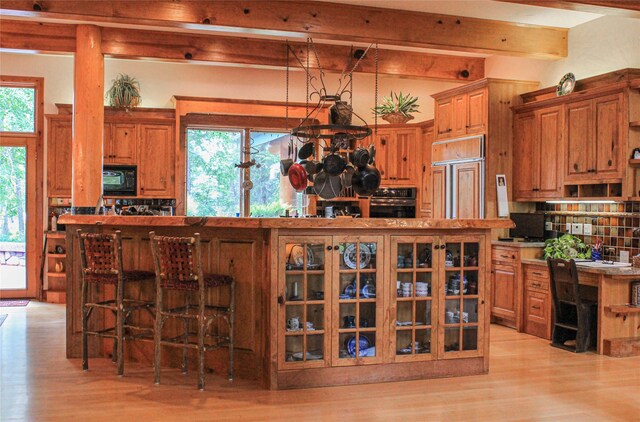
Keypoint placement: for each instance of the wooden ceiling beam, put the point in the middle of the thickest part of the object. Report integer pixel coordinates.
(172, 46)
(628, 8)
(332, 21)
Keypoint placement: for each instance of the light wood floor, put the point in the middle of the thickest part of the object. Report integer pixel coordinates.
(528, 380)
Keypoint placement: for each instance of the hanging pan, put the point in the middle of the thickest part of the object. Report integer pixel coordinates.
(366, 181)
(306, 151)
(327, 186)
(298, 177)
(333, 164)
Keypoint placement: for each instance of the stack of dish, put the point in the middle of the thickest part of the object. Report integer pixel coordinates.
(422, 289)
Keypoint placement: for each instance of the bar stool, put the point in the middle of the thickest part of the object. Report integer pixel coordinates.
(574, 317)
(101, 260)
(178, 264)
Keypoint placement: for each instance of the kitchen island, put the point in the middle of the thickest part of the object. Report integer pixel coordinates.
(325, 301)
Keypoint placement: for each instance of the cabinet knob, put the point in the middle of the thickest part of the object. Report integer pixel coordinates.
(336, 248)
(329, 247)
(575, 166)
(383, 141)
(609, 163)
(405, 159)
(281, 300)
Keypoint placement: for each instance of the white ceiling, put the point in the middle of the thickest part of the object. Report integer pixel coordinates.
(486, 9)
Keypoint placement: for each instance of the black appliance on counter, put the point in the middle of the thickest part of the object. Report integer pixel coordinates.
(393, 203)
(529, 226)
(119, 180)
(144, 206)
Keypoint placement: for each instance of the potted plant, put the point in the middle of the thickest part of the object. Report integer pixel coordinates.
(396, 108)
(124, 92)
(566, 247)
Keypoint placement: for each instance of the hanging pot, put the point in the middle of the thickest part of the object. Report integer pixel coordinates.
(326, 186)
(285, 165)
(366, 181)
(306, 151)
(312, 167)
(298, 177)
(333, 164)
(340, 113)
(361, 157)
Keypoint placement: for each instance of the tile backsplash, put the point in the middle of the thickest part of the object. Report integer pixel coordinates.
(618, 225)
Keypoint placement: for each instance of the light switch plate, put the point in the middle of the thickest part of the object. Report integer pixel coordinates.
(624, 256)
(587, 229)
(548, 225)
(568, 228)
(576, 228)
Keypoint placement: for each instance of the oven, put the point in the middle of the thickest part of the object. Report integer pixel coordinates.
(119, 181)
(393, 203)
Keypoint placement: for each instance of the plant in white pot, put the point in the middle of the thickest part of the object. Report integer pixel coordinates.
(124, 92)
(397, 108)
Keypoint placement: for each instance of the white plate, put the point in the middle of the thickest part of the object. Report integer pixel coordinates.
(349, 255)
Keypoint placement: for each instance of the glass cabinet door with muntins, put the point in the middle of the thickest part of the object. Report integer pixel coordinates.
(461, 317)
(305, 274)
(413, 280)
(357, 301)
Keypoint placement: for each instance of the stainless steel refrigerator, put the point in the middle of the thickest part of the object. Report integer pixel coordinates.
(457, 178)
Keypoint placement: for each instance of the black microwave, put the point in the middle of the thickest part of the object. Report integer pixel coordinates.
(119, 180)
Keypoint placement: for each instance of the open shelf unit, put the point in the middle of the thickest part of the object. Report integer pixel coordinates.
(55, 281)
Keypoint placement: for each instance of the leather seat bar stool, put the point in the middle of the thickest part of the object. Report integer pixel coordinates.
(101, 260)
(178, 264)
(575, 318)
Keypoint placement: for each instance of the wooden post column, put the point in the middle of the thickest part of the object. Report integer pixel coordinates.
(88, 118)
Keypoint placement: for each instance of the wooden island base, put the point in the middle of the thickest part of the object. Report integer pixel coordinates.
(323, 301)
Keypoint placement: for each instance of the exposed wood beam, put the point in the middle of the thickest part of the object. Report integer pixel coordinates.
(628, 8)
(331, 21)
(171, 46)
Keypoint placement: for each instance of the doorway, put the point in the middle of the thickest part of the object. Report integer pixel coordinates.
(21, 196)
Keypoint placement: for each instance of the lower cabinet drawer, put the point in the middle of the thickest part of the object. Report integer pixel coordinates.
(536, 277)
(537, 316)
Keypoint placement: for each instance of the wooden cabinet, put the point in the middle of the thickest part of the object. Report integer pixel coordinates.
(466, 190)
(537, 301)
(396, 156)
(55, 284)
(59, 133)
(593, 130)
(424, 187)
(461, 114)
(538, 151)
(134, 140)
(156, 161)
(120, 143)
(438, 191)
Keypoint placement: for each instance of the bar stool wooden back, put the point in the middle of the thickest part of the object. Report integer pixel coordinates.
(178, 264)
(101, 260)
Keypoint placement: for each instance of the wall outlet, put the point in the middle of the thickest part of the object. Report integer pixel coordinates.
(624, 256)
(548, 225)
(587, 229)
(567, 228)
(576, 228)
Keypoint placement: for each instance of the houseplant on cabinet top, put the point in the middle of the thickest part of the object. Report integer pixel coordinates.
(124, 92)
(396, 108)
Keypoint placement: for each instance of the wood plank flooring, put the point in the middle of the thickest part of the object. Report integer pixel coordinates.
(528, 381)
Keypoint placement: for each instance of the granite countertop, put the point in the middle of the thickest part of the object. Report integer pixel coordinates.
(516, 244)
(627, 272)
(287, 223)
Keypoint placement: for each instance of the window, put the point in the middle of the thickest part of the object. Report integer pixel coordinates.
(217, 187)
(17, 109)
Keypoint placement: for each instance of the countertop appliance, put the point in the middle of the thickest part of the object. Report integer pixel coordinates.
(393, 203)
(458, 175)
(143, 206)
(119, 180)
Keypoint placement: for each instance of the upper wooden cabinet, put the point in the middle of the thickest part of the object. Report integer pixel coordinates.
(59, 133)
(461, 114)
(397, 155)
(156, 151)
(120, 143)
(145, 138)
(537, 156)
(594, 130)
(590, 134)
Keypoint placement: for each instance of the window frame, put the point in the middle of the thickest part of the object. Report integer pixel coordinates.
(29, 83)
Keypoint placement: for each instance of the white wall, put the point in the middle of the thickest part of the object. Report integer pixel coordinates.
(600, 46)
(160, 81)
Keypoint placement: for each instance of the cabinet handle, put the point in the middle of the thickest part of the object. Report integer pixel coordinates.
(329, 247)
(513, 257)
(536, 284)
(383, 141)
(575, 166)
(536, 273)
(504, 256)
(424, 168)
(535, 307)
(609, 163)
(405, 159)
(281, 300)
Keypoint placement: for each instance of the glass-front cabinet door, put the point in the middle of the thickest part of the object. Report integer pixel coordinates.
(413, 287)
(304, 266)
(357, 317)
(461, 317)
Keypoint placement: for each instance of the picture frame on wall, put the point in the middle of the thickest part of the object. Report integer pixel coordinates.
(502, 198)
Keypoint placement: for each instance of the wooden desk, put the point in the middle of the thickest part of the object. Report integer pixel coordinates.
(618, 325)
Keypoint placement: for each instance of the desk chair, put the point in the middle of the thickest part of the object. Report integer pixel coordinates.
(101, 260)
(178, 264)
(574, 318)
